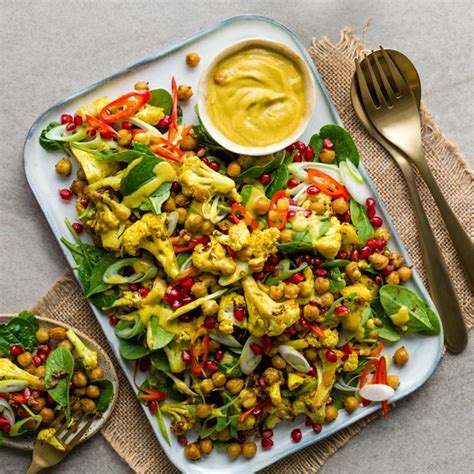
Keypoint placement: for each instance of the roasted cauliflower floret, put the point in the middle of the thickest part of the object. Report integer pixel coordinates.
(350, 239)
(266, 316)
(10, 371)
(279, 413)
(225, 317)
(351, 364)
(150, 234)
(237, 237)
(329, 341)
(182, 415)
(94, 168)
(150, 114)
(93, 108)
(89, 357)
(213, 259)
(330, 243)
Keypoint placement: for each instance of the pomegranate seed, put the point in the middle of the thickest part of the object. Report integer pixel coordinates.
(15, 350)
(165, 122)
(316, 261)
(299, 260)
(268, 268)
(312, 371)
(342, 254)
(259, 276)
(341, 310)
(265, 178)
(312, 190)
(186, 357)
(127, 125)
(307, 213)
(70, 126)
(77, 119)
(303, 323)
(143, 364)
(219, 355)
(320, 272)
(346, 216)
(153, 406)
(296, 435)
(307, 258)
(308, 421)
(65, 118)
(292, 182)
(78, 227)
(201, 151)
(46, 348)
(214, 165)
(331, 356)
(316, 428)
(113, 321)
(266, 434)
(211, 366)
(379, 251)
(144, 292)
(378, 279)
(239, 313)
(274, 259)
(292, 202)
(176, 304)
(376, 221)
(300, 146)
(346, 348)
(241, 438)
(262, 384)
(388, 269)
(257, 349)
(345, 357)
(66, 194)
(176, 187)
(267, 343)
(297, 278)
(370, 212)
(186, 318)
(134, 286)
(37, 361)
(41, 355)
(210, 322)
(309, 154)
(186, 299)
(369, 202)
(290, 148)
(84, 202)
(328, 144)
(187, 283)
(298, 158)
(380, 243)
(371, 243)
(34, 393)
(267, 443)
(364, 253)
(174, 294)
(355, 255)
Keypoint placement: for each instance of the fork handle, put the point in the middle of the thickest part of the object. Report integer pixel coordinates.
(442, 291)
(461, 240)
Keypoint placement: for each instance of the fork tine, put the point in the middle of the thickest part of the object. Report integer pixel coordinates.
(367, 98)
(73, 427)
(64, 426)
(399, 80)
(79, 435)
(375, 82)
(58, 418)
(390, 94)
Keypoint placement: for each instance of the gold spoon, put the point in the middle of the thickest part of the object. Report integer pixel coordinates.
(442, 291)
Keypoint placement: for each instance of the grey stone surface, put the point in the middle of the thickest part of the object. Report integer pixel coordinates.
(50, 49)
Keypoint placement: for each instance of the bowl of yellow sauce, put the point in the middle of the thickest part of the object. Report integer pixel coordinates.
(256, 97)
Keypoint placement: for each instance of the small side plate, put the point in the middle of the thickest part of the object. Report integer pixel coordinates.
(26, 443)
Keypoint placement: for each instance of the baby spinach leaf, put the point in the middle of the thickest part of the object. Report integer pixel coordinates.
(344, 145)
(316, 143)
(301, 242)
(30, 317)
(340, 262)
(161, 98)
(96, 283)
(280, 175)
(388, 330)
(105, 299)
(106, 394)
(139, 175)
(23, 331)
(157, 337)
(156, 200)
(132, 349)
(46, 143)
(283, 272)
(254, 172)
(161, 384)
(361, 221)
(336, 282)
(159, 361)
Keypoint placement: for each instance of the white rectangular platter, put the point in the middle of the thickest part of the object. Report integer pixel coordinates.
(424, 352)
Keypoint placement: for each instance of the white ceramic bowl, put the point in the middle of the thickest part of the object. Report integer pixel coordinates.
(310, 93)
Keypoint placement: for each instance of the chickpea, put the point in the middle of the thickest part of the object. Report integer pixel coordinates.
(25, 359)
(207, 228)
(351, 404)
(271, 375)
(378, 261)
(203, 410)
(182, 212)
(31, 369)
(321, 285)
(401, 356)
(224, 435)
(331, 413)
(80, 173)
(57, 333)
(339, 205)
(47, 414)
(282, 338)
(273, 216)
(87, 405)
(382, 233)
(318, 207)
(192, 59)
(396, 259)
(199, 289)
(234, 450)
(93, 391)
(234, 386)
(201, 193)
(219, 379)
(248, 398)
(283, 205)
(169, 205)
(79, 379)
(404, 273)
(80, 392)
(278, 362)
(247, 424)
(97, 373)
(40, 371)
(206, 386)
(393, 278)
(261, 206)
(66, 343)
(193, 223)
(276, 292)
(37, 405)
(42, 335)
(210, 308)
(249, 449)
(192, 452)
(124, 137)
(352, 271)
(63, 167)
(327, 299)
(142, 85)
(393, 381)
(206, 445)
(142, 137)
(286, 235)
(75, 404)
(327, 156)
(188, 143)
(184, 92)
(311, 312)
(77, 186)
(291, 291)
(234, 169)
(311, 354)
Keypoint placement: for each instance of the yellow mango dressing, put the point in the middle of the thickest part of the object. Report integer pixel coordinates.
(256, 97)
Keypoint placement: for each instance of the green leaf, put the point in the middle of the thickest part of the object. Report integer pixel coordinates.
(336, 281)
(106, 394)
(105, 299)
(344, 145)
(361, 222)
(160, 361)
(254, 172)
(46, 143)
(132, 349)
(166, 387)
(283, 272)
(30, 317)
(157, 199)
(24, 331)
(301, 242)
(316, 143)
(339, 262)
(162, 426)
(96, 283)
(157, 337)
(280, 176)
(139, 175)
(161, 98)
(129, 326)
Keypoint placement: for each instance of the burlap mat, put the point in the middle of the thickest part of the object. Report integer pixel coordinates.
(335, 62)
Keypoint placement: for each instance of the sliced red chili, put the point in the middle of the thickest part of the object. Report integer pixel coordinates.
(127, 104)
(382, 378)
(316, 329)
(173, 128)
(249, 220)
(378, 349)
(199, 352)
(164, 153)
(371, 363)
(150, 393)
(283, 215)
(102, 127)
(327, 185)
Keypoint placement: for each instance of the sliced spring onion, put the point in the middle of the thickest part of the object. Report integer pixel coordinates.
(7, 386)
(162, 425)
(7, 411)
(300, 170)
(171, 222)
(145, 126)
(224, 339)
(212, 211)
(297, 189)
(129, 326)
(144, 270)
(180, 385)
(248, 359)
(186, 264)
(60, 134)
(354, 182)
(22, 426)
(96, 142)
(376, 392)
(294, 358)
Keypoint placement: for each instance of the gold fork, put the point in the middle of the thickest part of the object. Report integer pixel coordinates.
(45, 455)
(393, 111)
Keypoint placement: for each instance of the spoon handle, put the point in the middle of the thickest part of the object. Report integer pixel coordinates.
(461, 240)
(441, 288)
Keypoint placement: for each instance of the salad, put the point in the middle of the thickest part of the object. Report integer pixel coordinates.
(46, 373)
(249, 291)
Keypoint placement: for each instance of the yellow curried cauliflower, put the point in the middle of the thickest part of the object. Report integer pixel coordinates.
(351, 364)
(237, 237)
(330, 243)
(330, 341)
(266, 316)
(150, 114)
(94, 108)
(94, 168)
(225, 316)
(357, 298)
(150, 234)
(48, 435)
(350, 239)
(262, 244)
(213, 259)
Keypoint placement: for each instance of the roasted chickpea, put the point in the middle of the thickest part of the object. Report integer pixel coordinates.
(142, 137)
(234, 450)
(37, 405)
(141, 85)
(234, 386)
(220, 76)
(47, 414)
(393, 278)
(207, 228)
(184, 92)
(77, 186)
(247, 424)
(318, 207)
(327, 156)
(278, 362)
(210, 308)
(42, 335)
(249, 449)
(192, 59)
(169, 205)
(40, 371)
(25, 359)
(224, 435)
(193, 223)
(57, 333)
(291, 291)
(382, 233)
(63, 167)
(93, 391)
(327, 299)
(331, 413)
(311, 354)
(97, 373)
(182, 212)
(181, 199)
(261, 206)
(80, 173)
(404, 273)
(401, 356)
(80, 392)
(286, 235)
(339, 205)
(206, 386)
(199, 289)
(192, 452)
(271, 375)
(203, 410)
(79, 379)
(311, 312)
(276, 292)
(219, 379)
(75, 404)
(396, 259)
(87, 405)
(124, 137)
(31, 369)
(234, 169)
(352, 271)
(206, 446)
(351, 404)
(393, 381)
(66, 343)
(321, 285)
(378, 261)
(188, 143)
(248, 397)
